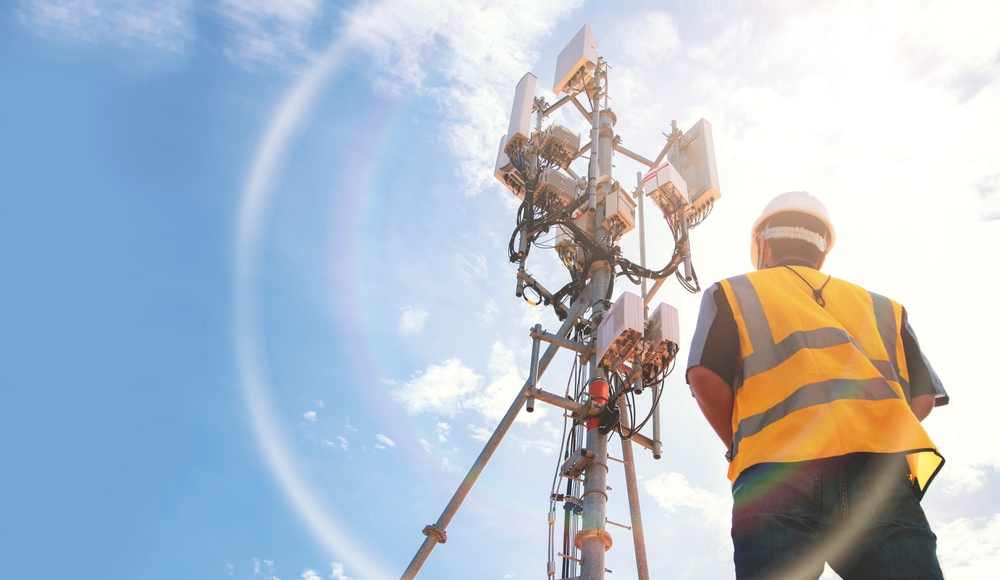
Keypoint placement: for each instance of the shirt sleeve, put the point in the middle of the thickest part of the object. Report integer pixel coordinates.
(716, 342)
(923, 379)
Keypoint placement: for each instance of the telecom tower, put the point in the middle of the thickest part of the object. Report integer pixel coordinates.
(621, 350)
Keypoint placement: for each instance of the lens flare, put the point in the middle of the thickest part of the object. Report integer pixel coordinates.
(255, 202)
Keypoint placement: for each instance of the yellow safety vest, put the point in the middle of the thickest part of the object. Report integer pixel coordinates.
(820, 381)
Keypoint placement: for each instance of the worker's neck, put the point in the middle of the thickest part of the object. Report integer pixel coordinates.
(794, 262)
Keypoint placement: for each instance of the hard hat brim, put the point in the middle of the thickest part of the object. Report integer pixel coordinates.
(792, 201)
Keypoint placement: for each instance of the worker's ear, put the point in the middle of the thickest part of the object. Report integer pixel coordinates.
(763, 252)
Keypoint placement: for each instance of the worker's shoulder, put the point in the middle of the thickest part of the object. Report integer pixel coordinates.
(760, 280)
(845, 284)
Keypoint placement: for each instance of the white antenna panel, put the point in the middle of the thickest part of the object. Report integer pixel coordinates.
(580, 53)
(619, 208)
(694, 157)
(520, 116)
(662, 329)
(620, 331)
(558, 145)
(559, 187)
(505, 172)
(666, 188)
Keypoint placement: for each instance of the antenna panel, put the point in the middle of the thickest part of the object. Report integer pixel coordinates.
(665, 187)
(620, 331)
(619, 209)
(558, 145)
(560, 188)
(694, 158)
(505, 172)
(662, 330)
(520, 115)
(579, 57)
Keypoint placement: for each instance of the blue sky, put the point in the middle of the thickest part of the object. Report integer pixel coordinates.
(258, 315)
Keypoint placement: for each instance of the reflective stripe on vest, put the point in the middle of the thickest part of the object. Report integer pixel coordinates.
(768, 355)
(810, 395)
(885, 318)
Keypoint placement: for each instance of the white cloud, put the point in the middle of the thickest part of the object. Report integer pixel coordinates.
(530, 315)
(319, 403)
(310, 574)
(673, 491)
(441, 389)
(989, 196)
(385, 440)
(348, 426)
(267, 570)
(337, 572)
(963, 476)
(647, 44)
(969, 549)
(161, 25)
(478, 433)
(489, 49)
(443, 431)
(697, 516)
(327, 442)
(452, 387)
(489, 313)
(443, 462)
(649, 38)
(472, 265)
(412, 320)
(343, 443)
(309, 416)
(269, 33)
(546, 443)
(506, 380)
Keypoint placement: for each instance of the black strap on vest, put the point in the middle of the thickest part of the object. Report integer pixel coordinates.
(817, 294)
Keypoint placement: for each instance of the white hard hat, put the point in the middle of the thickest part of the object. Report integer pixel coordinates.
(799, 202)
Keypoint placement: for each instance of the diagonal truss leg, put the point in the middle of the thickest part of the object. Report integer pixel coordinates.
(632, 487)
(436, 533)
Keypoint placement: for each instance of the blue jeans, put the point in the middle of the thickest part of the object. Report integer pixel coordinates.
(856, 512)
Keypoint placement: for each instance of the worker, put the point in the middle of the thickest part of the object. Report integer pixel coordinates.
(817, 388)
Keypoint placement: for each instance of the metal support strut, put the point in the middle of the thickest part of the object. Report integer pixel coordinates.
(632, 490)
(436, 531)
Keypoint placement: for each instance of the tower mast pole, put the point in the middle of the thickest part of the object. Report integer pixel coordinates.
(593, 539)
